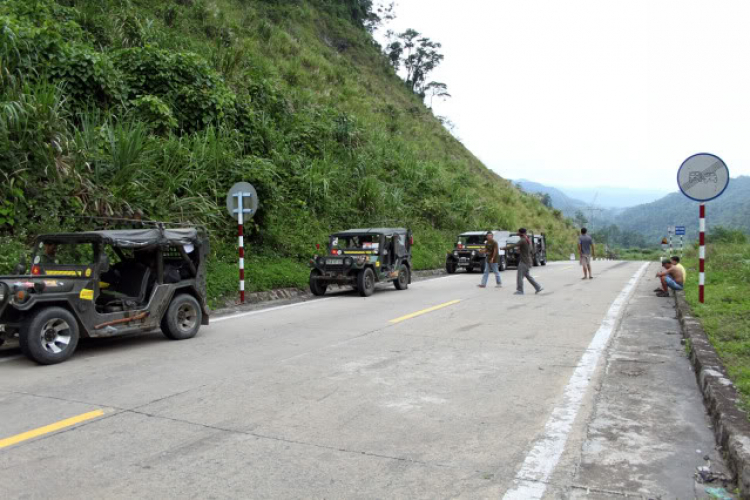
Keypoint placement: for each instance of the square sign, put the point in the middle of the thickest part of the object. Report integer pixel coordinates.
(679, 231)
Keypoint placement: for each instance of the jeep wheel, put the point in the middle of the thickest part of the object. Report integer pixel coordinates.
(544, 262)
(469, 269)
(536, 261)
(366, 282)
(183, 318)
(503, 264)
(450, 267)
(318, 289)
(50, 336)
(402, 282)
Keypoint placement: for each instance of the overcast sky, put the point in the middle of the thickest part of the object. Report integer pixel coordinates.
(593, 92)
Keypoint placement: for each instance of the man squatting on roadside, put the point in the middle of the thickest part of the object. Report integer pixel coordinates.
(672, 276)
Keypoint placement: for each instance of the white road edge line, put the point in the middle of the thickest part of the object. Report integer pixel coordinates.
(10, 358)
(531, 481)
(270, 309)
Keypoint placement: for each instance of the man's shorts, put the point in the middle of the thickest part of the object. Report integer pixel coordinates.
(585, 260)
(671, 283)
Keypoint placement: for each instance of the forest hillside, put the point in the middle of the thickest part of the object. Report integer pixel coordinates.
(154, 109)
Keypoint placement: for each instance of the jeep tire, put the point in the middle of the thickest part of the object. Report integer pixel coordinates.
(503, 264)
(450, 267)
(50, 336)
(317, 288)
(183, 318)
(404, 278)
(366, 282)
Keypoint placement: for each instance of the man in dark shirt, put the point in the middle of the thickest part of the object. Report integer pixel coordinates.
(524, 264)
(491, 252)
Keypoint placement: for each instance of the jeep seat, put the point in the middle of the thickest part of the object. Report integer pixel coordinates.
(133, 285)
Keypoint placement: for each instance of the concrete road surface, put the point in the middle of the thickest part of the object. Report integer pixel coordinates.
(444, 390)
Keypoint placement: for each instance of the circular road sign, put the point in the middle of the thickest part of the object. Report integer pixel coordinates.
(703, 177)
(249, 199)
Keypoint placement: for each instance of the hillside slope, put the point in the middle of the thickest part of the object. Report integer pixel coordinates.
(652, 219)
(156, 108)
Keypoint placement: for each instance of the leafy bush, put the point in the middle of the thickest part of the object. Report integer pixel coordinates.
(154, 112)
(721, 234)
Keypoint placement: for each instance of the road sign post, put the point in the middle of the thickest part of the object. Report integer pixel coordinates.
(242, 201)
(680, 231)
(703, 177)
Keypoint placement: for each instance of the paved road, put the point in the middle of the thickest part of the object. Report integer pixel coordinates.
(443, 390)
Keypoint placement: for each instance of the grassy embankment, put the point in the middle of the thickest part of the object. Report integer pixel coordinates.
(725, 315)
(112, 107)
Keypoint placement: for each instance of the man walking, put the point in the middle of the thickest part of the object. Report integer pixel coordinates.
(587, 252)
(524, 264)
(491, 252)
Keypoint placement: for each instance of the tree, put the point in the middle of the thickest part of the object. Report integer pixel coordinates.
(437, 89)
(419, 56)
(377, 16)
(546, 200)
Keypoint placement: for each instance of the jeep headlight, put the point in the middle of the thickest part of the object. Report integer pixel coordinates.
(321, 261)
(473, 253)
(348, 261)
(361, 259)
(455, 254)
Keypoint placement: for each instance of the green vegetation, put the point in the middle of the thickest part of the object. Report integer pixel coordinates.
(647, 254)
(129, 107)
(726, 313)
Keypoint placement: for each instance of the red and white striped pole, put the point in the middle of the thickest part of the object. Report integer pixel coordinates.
(241, 237)
(702, 255)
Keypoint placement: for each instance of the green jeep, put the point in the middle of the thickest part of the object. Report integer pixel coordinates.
(105, 284)
(363, 257)
(468, 252)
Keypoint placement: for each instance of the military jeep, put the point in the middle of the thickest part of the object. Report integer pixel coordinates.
(538, 249)
(468, 252)
(363, 257)
(105, 284)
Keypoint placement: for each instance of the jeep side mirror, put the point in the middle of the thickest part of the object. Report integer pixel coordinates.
(21, 266)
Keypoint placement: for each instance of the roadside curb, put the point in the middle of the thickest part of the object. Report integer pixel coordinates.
(730, 424)
(255, 298)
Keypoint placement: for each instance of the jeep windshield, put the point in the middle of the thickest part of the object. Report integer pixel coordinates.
(63, 254)
(473, 239)
(355, 242)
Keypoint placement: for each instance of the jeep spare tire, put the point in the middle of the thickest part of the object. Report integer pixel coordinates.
(316, 287)
(366, 282)
(50, 336)
(183, 318)
(402, 282)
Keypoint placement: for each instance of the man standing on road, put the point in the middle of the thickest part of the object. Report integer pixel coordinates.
(491, 252)
(587, 252)
(524, 264)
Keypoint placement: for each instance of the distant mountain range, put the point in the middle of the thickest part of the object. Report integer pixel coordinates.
(565, 198)
(561, 201)
(731, 210)
(651, 220)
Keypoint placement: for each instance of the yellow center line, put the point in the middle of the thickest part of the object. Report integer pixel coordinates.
(424, 311)
(41, 431)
